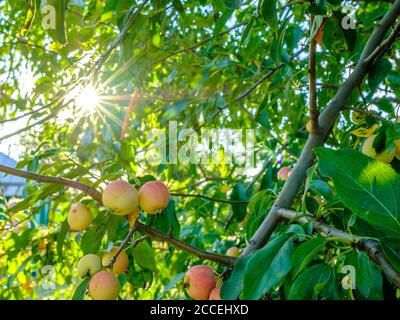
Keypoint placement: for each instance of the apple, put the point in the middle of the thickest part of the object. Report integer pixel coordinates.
(121, 263)
(88, 265)
(284, 173)
(104, 286)
(233, 252)
(153, 197)
(120, 197)
(199, 281)
(386, 156)
(215, 294)
(79, 217)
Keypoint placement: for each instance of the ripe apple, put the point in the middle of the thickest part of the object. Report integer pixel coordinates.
(284, 173)
(233, 252)
(104, 286)
(153, 197)
(88, 265)
(120, 197)
(79, 217)
(199, 281)
(215, 294)
(386, 156)
(121, 263)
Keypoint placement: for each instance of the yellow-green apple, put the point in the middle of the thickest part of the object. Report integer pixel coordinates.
(385, 156)
(88, 265)
(79, 217)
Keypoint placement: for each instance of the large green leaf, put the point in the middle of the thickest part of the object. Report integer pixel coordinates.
(368, 277)
(171, 284)
(80, 290)
(378, 73)
(61, 238)
(305, 252)
(368, 187)
(232, 288)
(267, 10)
(239, 193)
(91, 239)
(143, 254)
(311, 282)
(268, 266)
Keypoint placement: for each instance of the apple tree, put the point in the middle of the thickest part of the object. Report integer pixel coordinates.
(200, 149)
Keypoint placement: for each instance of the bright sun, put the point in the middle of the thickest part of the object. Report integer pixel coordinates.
(87, 100)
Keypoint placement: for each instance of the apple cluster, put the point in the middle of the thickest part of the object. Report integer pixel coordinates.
(124, 200)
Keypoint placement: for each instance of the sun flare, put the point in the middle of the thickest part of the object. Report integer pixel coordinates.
(87, 100)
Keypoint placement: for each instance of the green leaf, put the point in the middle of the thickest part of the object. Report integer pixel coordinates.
(221, 22)
(368, 187)
(177, 4)
(80, 290)
(318, 7)
(322, 188)
(143, 254)
(268, 266)
(61, 237)
(166, 220)
(304, 253)
(239, 193)
(30, 17)
(310, 282)
(378, 73)
(171, 284)
(231, 288)
(10, 279)
(367, 274)
(173, 110)
(267, 10)
(55, 24)
(91, 239)
(233, 4)
(246, 33)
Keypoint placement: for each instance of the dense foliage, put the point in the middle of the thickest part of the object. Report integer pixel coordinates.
(180, 65)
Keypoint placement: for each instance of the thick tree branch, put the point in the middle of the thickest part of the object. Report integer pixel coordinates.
(371, 247)
(326, 120)
(96, 195)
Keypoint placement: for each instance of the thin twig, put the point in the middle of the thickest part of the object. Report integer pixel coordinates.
(128, 112)
(208, 198)
(121, 247)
